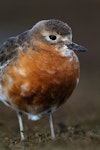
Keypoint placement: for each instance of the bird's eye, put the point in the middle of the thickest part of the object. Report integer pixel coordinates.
(52, 37)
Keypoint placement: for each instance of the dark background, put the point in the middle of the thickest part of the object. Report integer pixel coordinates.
(83, 16)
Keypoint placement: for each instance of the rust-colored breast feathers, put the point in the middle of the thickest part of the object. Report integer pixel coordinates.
(39, 79)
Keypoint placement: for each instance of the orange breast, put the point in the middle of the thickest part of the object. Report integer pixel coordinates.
(39, 80)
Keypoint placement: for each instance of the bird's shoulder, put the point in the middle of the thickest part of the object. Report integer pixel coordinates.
(9, 49)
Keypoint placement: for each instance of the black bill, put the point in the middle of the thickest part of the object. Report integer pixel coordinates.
(74, 46)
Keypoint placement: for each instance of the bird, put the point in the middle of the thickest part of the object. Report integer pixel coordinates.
(39, 70)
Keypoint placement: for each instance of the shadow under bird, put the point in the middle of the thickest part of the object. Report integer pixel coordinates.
(39, 70)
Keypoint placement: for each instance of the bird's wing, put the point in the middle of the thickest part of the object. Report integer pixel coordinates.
(9, 49)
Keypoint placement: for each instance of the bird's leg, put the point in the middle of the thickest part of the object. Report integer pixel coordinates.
(19, 115)
(53, 137)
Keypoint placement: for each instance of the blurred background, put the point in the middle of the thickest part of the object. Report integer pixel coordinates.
(83, 16)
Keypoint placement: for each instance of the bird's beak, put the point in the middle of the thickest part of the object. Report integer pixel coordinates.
(74, 46)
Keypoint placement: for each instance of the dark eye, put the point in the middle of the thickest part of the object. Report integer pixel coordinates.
(52, 37)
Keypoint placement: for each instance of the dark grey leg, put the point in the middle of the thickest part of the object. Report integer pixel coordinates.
(51, 126)
(19, 115)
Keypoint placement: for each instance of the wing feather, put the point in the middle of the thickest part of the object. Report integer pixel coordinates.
(9, 49)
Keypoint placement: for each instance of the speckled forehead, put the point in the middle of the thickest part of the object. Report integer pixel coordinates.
(59, 27)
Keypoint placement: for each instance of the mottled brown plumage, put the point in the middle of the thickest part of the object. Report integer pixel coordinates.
(39, 72)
